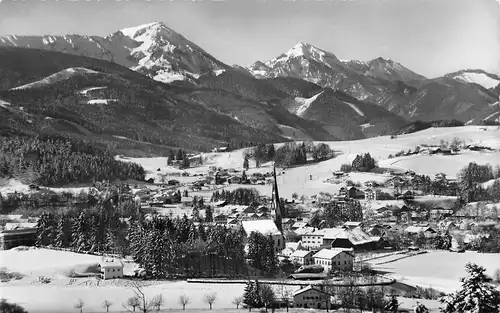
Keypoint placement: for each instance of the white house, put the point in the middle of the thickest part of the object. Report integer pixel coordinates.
(111, 269)
(302, 257)
(337, 259)
(266, 228)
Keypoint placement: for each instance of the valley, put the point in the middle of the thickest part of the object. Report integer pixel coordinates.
(139, 171)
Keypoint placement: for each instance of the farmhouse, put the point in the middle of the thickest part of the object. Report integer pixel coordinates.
(111, 269)
(426, 230)
(351, 192)
(370, 194)
(302, 257)
(267, 228)
(311, 297)
(334, 259)
(338, 238)
(221, 218)
(17, 234)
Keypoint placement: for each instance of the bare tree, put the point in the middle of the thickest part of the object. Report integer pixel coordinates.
(210, 299)
(133, 302)
(157, 302)
(285, 294)
(184, 300)
(237, 301)
(267, 295)
(79, 305)
(106, 304)
(347, 293)
(140, 300)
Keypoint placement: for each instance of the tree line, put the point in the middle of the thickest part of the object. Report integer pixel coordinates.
(53, 161)
(361, 163)
(471, 178)
(332, 214)
(101, 228)
(239, 196)
(289, 154)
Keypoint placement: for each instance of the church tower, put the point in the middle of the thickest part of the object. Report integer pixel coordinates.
(276, 203)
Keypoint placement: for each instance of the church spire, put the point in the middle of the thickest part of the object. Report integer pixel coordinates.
(276, 202)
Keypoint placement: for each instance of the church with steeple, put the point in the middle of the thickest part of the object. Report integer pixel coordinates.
(270, 227)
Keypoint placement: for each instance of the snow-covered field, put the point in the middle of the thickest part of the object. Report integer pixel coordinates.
(61, 295)
(311, 179)
(438, 269)
(447, 164)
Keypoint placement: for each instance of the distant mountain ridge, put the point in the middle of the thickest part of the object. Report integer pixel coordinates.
(152, 49)
(306, 93)
(467, 95)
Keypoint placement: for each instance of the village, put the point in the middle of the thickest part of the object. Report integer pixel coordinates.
(347, 230)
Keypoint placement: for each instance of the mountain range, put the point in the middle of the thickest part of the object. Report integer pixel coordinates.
(149, 84)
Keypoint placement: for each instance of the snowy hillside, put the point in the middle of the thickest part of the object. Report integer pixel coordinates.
(311, 179)
(59, 76)
(304, 103)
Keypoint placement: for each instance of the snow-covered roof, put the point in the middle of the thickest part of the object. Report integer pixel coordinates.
(110, 263)
(13, 226)
(302, 290)
(418, 229)
(356, 224)
(265, 227)
(293, 245)
(300, 253)
(356, 235)
(299, 224)
(328, 253)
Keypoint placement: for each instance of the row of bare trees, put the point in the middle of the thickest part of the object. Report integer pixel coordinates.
(140, 302)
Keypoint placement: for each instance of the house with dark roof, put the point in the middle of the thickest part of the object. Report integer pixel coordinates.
(311, 298)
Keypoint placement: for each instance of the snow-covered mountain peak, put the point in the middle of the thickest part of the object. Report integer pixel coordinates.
(305, 51)
(479, 77)
(134, 31)
(155, 34)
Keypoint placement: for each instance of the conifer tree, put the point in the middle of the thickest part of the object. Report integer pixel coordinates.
(476, 295)
(246, 163)
(209, 214)
(251, 295)
(80, 233)
(271, 261)
(171, 157)
(46, 229)
(271, 152)
(180, 155)
(62, 233)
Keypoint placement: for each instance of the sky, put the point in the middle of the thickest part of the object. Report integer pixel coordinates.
(431, 37)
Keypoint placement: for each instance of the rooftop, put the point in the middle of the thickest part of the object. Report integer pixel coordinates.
(327, 253)
(300, 253)
(265, 227)
(301, 290)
